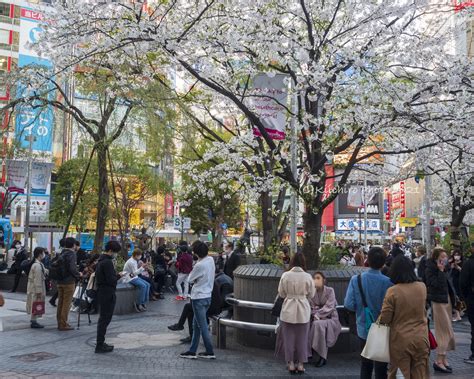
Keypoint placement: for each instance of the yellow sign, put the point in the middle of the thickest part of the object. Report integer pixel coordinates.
(408, 222)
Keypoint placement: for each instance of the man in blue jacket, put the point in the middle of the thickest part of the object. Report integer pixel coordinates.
(374, 285)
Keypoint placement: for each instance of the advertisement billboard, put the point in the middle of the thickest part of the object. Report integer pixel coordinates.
(351, 200)
(32, 120)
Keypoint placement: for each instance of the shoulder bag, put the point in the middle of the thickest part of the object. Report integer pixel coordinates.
(276, 310)
(377, 346)
(369, 316)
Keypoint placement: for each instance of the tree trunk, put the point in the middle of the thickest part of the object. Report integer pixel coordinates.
(457, 216)
(103, 198)
(312, 239)
(267, 224)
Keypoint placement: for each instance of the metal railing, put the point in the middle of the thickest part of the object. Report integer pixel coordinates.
(223, 323)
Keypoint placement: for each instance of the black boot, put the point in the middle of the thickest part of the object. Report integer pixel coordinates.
(36, 325)
(104, 348)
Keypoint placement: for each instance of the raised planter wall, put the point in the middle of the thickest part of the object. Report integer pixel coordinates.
(260, 283)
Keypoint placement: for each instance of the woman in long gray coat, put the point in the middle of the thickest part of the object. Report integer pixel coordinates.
(36, 289)
(325, 325)
(296, 287)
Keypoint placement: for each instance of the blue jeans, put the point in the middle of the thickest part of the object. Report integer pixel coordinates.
(143, 290)
(200, 326)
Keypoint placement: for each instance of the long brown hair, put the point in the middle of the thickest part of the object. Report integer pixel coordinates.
(298, 260)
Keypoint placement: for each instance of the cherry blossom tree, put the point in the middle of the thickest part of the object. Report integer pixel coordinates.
(369, 79)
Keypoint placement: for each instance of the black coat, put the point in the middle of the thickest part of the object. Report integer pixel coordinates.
(437, 284)
(105, 274)
(72, 273)
(231, 264)
(422, 269)
(466, 280)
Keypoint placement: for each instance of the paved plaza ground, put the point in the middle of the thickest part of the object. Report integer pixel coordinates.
(145, 348)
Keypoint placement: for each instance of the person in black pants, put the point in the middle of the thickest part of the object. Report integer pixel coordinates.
(466, 284)
(223, 286)
(18, 258)
(106, 279)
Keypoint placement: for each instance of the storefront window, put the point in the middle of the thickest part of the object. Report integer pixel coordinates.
(4, 9)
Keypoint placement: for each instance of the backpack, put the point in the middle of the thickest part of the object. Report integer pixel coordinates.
(58, 269)
(25, 266)
(369, 316)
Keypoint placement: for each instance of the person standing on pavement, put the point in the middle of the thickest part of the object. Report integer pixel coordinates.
(421, 257)
(54, 297)
(19, 256)
(374, 285)
(296, 287)
(409, 345)
(106, 280)
(466, 285)
(67, 284)
(202, 279)
(36, 289)
(442, 298)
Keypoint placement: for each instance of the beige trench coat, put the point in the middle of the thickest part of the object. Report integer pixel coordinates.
(296, 287)
(36, 285)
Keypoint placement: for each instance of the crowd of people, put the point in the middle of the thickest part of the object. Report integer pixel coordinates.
(395, 291)
(398, 290)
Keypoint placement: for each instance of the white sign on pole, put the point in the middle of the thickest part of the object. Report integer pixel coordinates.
(186, 223)
(177, 223)
(268, 98)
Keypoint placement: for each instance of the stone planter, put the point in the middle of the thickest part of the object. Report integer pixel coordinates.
(260, 283)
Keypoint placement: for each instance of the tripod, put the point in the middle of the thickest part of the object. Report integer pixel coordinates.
(83, 291)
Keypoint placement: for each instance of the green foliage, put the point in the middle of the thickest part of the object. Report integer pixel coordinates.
(329, 255)
(69, 176)
(119, 263)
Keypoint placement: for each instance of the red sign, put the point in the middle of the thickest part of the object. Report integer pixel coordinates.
(328, 212)
(402, 199)
(31, 14)
(169, 205)
(460, 5)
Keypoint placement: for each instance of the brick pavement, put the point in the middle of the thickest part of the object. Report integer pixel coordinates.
(146, 349)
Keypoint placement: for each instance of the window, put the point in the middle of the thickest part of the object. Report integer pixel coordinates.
(17, 12)
(3, 64)
(4, 36)
(470, 38)
(4, 9)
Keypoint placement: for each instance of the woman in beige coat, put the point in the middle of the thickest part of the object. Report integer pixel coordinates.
(404, 311)
(36, 289)
(296, 287)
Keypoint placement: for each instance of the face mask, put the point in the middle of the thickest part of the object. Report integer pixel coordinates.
(457, 258)
(18, 247)
(318, 282)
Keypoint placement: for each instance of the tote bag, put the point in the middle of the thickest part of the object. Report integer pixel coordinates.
(377, 344)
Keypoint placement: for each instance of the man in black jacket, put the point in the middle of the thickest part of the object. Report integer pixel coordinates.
(466, 284)
(67, 284)
(232, 261)
(106, 281)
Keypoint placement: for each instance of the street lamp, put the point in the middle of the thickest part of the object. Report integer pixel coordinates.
(181, 211)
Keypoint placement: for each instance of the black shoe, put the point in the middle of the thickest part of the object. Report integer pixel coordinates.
(188, 355)
(470, 360)
(104, 348)
(137, 308)
(36, 325)
(12, 291)
(175, 327)
(449, 368)
(207, 355)
(322, 362)
(440, 369)
(186, 340)
(52, 303)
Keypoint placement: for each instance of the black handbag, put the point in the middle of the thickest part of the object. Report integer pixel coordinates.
(276, 310)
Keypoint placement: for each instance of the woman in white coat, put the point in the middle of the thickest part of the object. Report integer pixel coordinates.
(36, 289)
(297, 288)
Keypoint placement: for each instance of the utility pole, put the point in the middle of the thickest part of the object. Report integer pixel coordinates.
(294, 170)
(427, 215)
(365, 213)
(30, 138)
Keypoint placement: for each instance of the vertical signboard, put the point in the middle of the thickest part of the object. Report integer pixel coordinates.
(268, 98)
(31, 120)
